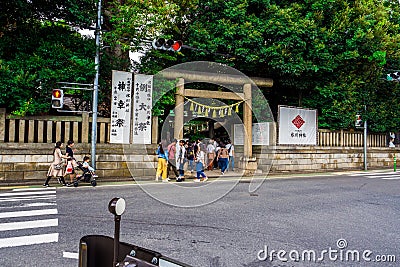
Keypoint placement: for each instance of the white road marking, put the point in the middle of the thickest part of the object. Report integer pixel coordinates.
(32, 189)
(28, 224)
(14, 214)
(5, 199)
(372, 173)
(384, 176)
(379, 175)
(17, 202)
(28, 240)
(39, 204)
(71, 255)
(15, 194)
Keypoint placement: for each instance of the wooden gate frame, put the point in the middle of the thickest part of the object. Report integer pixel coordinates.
(246, 97)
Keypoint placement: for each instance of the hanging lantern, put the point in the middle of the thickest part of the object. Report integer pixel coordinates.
(191, 106)
(230, 111)
(221, 113)
(214, 115)
(199, 110)
(206, 112)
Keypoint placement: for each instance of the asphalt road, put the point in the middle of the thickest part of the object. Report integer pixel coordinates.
(331, 218)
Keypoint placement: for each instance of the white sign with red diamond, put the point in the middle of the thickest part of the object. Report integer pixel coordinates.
(297, 126)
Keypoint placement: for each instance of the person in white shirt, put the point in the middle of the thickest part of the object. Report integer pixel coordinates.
(210, 155)
(180, 160)
(231, 150)
(200, 157)
(86, 165)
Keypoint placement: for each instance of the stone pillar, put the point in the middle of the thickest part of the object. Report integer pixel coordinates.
(247, 121)
(154, 130)
(179, 106)
(249, 163)
(85, 127)
(2, 124)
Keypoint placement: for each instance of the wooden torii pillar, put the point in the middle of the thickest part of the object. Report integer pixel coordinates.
(249, 163)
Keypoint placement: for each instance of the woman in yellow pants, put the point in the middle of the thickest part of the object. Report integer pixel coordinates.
(162, 163)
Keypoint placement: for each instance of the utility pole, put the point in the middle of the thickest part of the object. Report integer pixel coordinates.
(96, 85)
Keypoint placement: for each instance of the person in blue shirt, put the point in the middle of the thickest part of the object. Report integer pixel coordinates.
(162, 163)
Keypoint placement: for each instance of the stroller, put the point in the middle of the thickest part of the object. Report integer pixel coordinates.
(86, 176)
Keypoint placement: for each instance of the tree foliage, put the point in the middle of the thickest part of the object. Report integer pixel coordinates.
(39, 46)
(331, 55)
(328, 55)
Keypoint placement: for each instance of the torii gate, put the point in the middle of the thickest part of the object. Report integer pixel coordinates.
(246, 97)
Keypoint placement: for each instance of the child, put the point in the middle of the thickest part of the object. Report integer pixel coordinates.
(86, 165)
(200, 166)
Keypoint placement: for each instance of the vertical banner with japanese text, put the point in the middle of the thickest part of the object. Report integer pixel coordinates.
(297, 126)
(143, 97)
(121, 107)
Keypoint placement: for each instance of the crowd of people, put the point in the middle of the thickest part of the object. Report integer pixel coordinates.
(173, 160)
(194, 156)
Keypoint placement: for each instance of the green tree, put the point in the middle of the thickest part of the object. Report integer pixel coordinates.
(40, 46)
(330, 55)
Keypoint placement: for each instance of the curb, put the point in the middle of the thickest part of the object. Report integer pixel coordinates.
(212, 175)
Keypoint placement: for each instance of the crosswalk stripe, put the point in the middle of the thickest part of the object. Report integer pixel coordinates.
(28, 224)
(39, 204)
(373, 174)
(385, 176)
(14, 214)
(28, 240)
(31, 204)
(70, 255)
(379, 175)
(6, 199)
(32, 189)
(14, 194)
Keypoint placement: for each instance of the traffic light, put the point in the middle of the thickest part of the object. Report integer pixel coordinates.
(395, 76)
(359, 122)
(167, 44)
(57, 98)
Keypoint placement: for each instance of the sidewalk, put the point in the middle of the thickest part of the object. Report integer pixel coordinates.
(188, 176)
(214, 174)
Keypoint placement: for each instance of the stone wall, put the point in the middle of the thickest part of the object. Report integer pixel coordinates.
(30, 162)
(320, 159)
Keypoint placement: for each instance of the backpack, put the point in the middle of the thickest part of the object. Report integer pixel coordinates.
(223, 152)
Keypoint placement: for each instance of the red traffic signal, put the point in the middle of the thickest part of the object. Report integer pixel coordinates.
(57, 98)
(177, 46)
(169, 44)
(57, 93)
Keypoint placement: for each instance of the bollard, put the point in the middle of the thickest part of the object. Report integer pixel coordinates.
(394, 163)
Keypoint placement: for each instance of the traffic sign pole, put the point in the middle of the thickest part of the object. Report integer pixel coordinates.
(96, 86)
